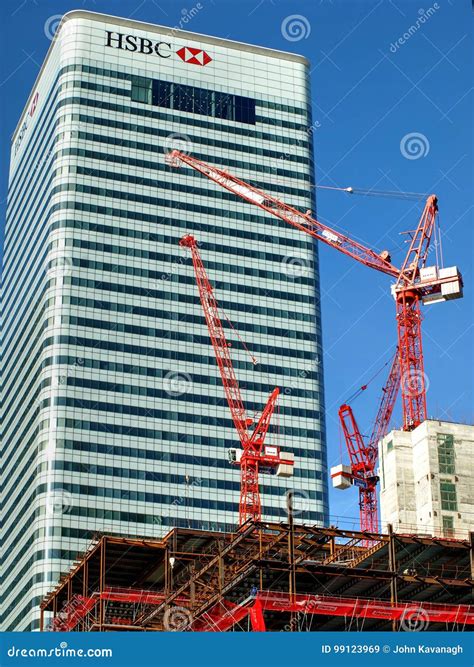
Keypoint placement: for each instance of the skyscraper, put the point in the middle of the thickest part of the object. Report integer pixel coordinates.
(114, 418)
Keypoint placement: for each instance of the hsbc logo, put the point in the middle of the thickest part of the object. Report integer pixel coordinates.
(188, 54)
(25, 124)
(131, 43)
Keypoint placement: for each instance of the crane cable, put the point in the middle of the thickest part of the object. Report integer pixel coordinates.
(253, 359)
(255, 362)
(363, 387)
(375, 193)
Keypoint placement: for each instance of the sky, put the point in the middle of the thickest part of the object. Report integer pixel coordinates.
(392, 111)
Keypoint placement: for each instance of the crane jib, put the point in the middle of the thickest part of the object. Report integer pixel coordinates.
(288, 214)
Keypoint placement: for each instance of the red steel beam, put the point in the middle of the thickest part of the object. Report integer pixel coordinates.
(364, 608)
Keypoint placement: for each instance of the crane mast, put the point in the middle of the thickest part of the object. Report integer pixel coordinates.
(219, 343)
(254, 454)
(415, 282)
(387, 402)
(363, 457)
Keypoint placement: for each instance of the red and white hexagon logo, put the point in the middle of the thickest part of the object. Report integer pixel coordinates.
(194, 56)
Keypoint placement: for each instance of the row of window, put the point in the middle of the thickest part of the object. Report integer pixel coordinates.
(153, 147)
(187, 481)
(277, 169)
(167, 184)
(143, 311)
(23, 357)
(155, 434)
(125, 76)
(136, 369)
(193, 440)
(176, 223)
(84, 490)
(136, 330)
(171, 277)
(448, 495)
(46, 120)
(157, 413)
(200, 210)
(446, 457)
(145, 128)
(172, 456)
(177, 259)
(173, 353)
(173, 390)
(192, 99)
(97, 87)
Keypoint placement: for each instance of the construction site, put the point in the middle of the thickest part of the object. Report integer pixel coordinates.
(410, 565)
(267, 577)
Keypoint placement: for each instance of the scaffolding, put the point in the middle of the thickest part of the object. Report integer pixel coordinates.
(266, 576)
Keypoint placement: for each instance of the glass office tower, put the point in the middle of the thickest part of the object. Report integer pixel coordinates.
(114, 417)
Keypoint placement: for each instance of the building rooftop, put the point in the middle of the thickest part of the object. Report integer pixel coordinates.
(152, 27)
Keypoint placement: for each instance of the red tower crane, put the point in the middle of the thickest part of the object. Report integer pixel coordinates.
(254, 455)
(363, 457)
(415, 282)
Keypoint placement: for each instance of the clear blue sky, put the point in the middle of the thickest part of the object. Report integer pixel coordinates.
(369, 92)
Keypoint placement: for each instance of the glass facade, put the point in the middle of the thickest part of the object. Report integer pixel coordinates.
(114, 417)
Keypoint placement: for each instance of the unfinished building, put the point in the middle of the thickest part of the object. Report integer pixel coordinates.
(426, 479)
(266, 576)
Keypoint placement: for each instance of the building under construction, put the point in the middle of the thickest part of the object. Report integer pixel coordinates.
(266, 576)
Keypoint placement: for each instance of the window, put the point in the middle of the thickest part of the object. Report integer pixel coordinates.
(244, 110)
(389, 445)
(224, 106)
(448, 495)
(203, 102)
(193, 100)
(141, 89)
(161, 96)
(183, 98)
(445, 453)
(448, 526)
